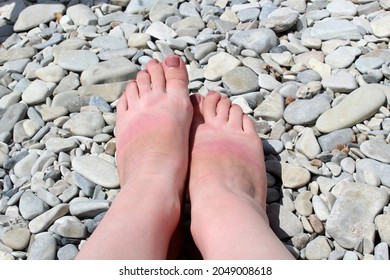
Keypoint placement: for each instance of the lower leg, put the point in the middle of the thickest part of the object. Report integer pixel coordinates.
(228, 185)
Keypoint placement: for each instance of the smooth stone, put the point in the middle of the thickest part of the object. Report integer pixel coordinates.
(303, 203)
(366, 63)
(13, 114)
(52, 113)
(273, 147)
(330, 141)
(110, 92)
(271, 109)
(67, 252)
(341, 81)
(240, 80)
(354, 210)
(359, 105)
(135, 7)
(283, 222)
(380, 169)
(89, 208)
(376, 149)
(81, 15)
(309, 90)
(43, 248)
(69, 227)
(120, 17)
(50, 74)
(30, 206)
(381, 26)
(24, 166)
(17, 238)
(97, 170)
(44, 220)
(47, 197)
(318, 249)
(110, 54)
(109, 43)
(43, 13)
(17, 53)
(260, 40)
(331, 28)
(307, 144)
(292, 176)
(15, 66)
(68, 83)
(57, 144)
(37, 92)
(163, 9)
(348, 165)
(382, 223)
(114, 70)
(220, 64)
(342, 57)
(202, 50)
(280, 20)
(76, 60)
(320, 208)
(85, 124)
(339, 8)
(268, 82)
(138, 40)
(189, 22)
(381, 251)
(160, 31)
(306, 111)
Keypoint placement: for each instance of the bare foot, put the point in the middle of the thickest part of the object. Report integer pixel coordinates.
(153, 123)
(228, 184)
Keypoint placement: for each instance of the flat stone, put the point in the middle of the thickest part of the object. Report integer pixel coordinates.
(67, 252)
(331, 28)
(318, 249)
(382, 223)
(306, 111)
(97, 170)
(376, 149)
(307, 144)
(341, 81)
(37, 92)
(57, 144)
(17, 238)
(160, 31)
(359, 105)
(44, 220)
(341, 137)
(220, 64)
(43, 13)
(114, 70)
(303, 203)
(77, 60)
(108, 91)
(342, 57)
(51, 73)
(138, 40)
(354, 210)
(70, 227)
(89, 208)
(320, 208)
(268, 82)
(17, 53)
(292, 176)
(367, 63)
(271, 108)
(85, 124)
(81, 15)
(281, 19)
(109, 43)
(240, 80)
(260, 40)
(12, 115)
(283, 222)
(381, 251)
(135, 7)
(30, 206)
(380, 169)
(163, 9)
(43, 248)
(381, 26)
(342, 8)
(24, 166)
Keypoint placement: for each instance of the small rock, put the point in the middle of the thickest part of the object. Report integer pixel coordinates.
(318, 249)
(43, 248)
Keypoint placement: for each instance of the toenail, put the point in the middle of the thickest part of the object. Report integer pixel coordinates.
(172, 61)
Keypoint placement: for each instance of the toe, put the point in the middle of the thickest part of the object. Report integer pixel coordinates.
(157, 77)
(210, 105)
(143, 83)
(122, 104)
(223, 108)
(176, 76)
(248, 125)
(235, 117)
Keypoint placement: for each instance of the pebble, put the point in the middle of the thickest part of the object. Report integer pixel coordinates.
(98, 170)
(260, 40)
(44, 220)
(330, 141)
(81, 15)
(43, 248)
(70, 227)
(85, 124)
(220, 64)
(341, 81)
(331, 28)
(283, 222)
(382, 223)
(240, 80)
(307, 144)
(271, 109)
(67, 252)
(76, 60)
(378, 168)
(88, 209)
(318, 249)
(348, 222)
(16, 239)
(376, 149)
(366, 101)
(292, 176)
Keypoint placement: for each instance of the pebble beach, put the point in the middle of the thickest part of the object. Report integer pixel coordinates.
(313, 76)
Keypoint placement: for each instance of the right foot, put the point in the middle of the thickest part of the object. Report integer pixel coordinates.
(228, 185)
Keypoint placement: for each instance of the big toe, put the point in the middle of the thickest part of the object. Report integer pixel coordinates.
(175, 75)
